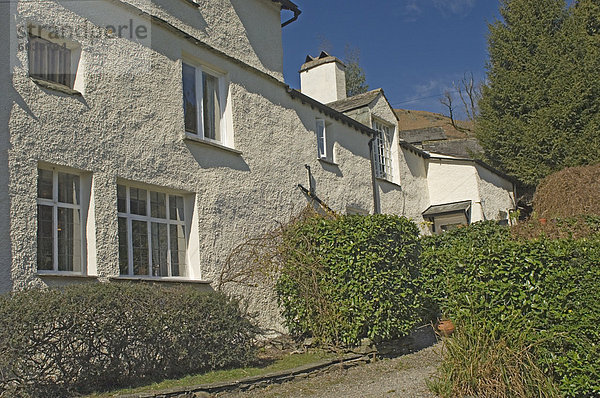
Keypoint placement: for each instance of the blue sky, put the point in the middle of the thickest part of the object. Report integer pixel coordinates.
(413, 49)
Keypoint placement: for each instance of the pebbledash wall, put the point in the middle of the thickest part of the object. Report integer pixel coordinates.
(124, 124)
(127, 126)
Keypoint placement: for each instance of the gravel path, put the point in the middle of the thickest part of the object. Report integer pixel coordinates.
(404, 376)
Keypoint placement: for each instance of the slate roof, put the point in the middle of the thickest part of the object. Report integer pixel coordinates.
(447, 208)
(424, 134)
(357, 101)
(465, 148)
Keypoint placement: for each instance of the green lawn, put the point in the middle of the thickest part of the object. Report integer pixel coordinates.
(287, 362)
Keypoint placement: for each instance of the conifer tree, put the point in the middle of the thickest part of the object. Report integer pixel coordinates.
(355, 75)
(540, 107)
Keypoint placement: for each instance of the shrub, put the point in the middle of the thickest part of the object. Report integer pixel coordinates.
(571, 191)
(576, 227)
(549, 286)
(92, 337)
(344, 278)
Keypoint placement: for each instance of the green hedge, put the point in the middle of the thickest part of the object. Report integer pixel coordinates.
(349, 277)
(550, 286)
(56, 343)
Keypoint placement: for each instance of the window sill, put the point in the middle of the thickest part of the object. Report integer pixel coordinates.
(189, 137)
(55, 87)
(388, 182)
(156, 279)
(70, 275)
(329, 162)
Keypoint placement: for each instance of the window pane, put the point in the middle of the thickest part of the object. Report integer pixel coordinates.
(68, 188)
(44, 184)
(69, 240)
(178, 245)
(176, 208)
(321, 144)
(45, 240)
(211, 109)
(137, 201)
(123, 247)
(121, 199)
(160, 247)
(158, 205)
(50, 61)
(139, 238)
(190, 107)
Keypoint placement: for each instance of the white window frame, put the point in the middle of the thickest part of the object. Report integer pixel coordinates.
(222, 87)
(321, 132)
(148, 219)
(55, 204)
(75, 82)
(382, 150)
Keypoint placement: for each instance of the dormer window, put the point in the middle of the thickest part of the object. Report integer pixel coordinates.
(383, 150)
(321, 139)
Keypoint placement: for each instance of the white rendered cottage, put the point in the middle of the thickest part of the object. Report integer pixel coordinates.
(144, 140)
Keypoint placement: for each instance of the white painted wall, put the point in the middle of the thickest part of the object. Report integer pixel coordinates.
(326, 82)
(5, 199)
(497, 194)
(453, 181)
(129, 125)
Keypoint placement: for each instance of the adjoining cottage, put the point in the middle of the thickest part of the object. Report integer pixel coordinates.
(145, 140)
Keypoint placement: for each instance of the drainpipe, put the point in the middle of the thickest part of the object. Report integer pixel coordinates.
(376, 200)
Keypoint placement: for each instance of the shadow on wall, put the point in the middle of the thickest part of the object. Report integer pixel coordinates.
(187, 13)
(265, 41)
(10, 96)
(207, 157)
(129, 23)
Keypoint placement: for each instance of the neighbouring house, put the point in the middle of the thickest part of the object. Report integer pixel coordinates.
(441, 187)
(145, 140)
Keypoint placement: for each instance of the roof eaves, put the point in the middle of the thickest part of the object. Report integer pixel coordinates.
(352, 103)
(478, 162)
(414, 149)
(331, 112)
(288, 5)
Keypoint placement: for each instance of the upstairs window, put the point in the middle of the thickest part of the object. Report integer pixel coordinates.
(152, 233)
(321, 139)
(203, 103)
(52, 59)
(59, 219)
(383, 150)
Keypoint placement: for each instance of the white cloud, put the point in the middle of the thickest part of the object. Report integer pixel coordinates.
(454, 7)
(410, 10)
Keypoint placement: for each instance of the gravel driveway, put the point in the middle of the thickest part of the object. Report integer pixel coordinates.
(403, 376)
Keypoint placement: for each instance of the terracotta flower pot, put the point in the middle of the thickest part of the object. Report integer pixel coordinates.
(543, 221)
(446, 327)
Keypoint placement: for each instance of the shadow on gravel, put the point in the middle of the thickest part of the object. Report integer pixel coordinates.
(422, 337)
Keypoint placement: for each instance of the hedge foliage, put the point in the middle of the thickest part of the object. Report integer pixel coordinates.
(92, 337)
(344, 278)
(550, 286)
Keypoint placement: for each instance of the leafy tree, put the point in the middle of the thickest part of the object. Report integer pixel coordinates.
(355, 75)
(540, 109)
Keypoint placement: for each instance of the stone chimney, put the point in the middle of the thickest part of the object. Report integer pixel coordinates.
(323, 78)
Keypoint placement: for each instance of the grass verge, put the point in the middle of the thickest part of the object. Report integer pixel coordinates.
(288, 362)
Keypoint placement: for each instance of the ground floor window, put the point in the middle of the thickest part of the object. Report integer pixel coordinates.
(152, 232)
(59, 221)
